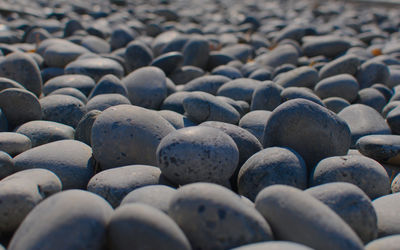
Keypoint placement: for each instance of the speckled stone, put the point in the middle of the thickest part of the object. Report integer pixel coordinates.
(383, 148)
(304, 76)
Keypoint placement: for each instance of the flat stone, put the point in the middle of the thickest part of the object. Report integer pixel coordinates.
(255, 122)
(329, 46)
(209, 84)
(81, 82)
(71, 92)
(239, 89)
(342, 85)
(347, 64)
(300, 77)
(282, 54)
(60, 54)
(383, 148)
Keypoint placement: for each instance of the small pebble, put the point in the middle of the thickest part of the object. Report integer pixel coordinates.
(14, 143)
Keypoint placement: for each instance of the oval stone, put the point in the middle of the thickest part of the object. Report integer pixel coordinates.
(81, 82)
(387, 209)
(388, 243)
(95, 68)
(14, 143)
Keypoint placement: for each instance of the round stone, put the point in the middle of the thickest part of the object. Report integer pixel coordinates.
(83, 130)
(282, 54)
(271, 166)
(74, 219)
(239, 89)
(361, 171)
(371, 72)
(335, 104)
(213, 217)
(373, 98)
(168, 62)
(14, 143)
(137, 55)
(294, 122)
(300, 77)
(126, 134)
(292, 93)
(109, 84)
(343, 85)
(383, 148)
(255, 122)
(104, 101)
(71, 92)
(6, 83)
(209, 84)
(389, 243)
(347, 64)
(95, 68)
(273, 245)
(81, 82)
(329, 46)
(60, 54)
(177, 120)
(196, 52)
(388, 212)
(197, 154)
(266, 96)
(395, 186)
(6, 165)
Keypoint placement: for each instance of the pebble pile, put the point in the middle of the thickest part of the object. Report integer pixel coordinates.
(204, 125)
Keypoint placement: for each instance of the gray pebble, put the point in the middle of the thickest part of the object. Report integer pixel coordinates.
(70, 160)
(389, 107)
(342, 85)
(393, 119)
(209, 84)
(64, 109)
(294, 215)
(294, 122)
(395, 186)
(292, 93)
(177, 120)
(141, 226)
(385, 90)
(372, 72)
(157, 196)
(372, 97)
(383, 148)
(300, 77)
(104, 101)
(19, 106)
(3, 122)
(81, 82)
(197, 154)
(21, 192)
(14, 143)
(83, 130)
(271, 166)
(114, 184)
(137, 55)
(6, 165)
(174, 102)
(335, 104)
(185, 74)
(168, 62)
(121, 36)
(126, 134)
(351, 204)
(6, 83)
(21, 68)
(109, 84)
(261, 74)
(146, 87)
(347, 64)
(361, 171)
(200, 106)
(96, 44)
(388, 243)
(60, 54)
(282, 54)
(210, 216)
(329, 46)
(72, 92)
(388, 212)
(241, 52)
(42, 132)
(227, 71)
(75, 219)
(266, 96)
(273, 245)
(363, 120)
(255, 122)
(239, 89)
(95, 68)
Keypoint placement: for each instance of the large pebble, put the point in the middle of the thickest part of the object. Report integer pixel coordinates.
(177, 120)
(139, 226)
(146, 87)
(213, 217)
(347, 64)
(363, 120)
(196, 52)
(266, 96)
(387, 209)
(201, 106)
(126, 134)
(342, 85)
(60, 54)
(6, 165)
(157, 196)
(19, 106)
(168, 62)
(393, 119)
(185, 74)
(391, 242)
(64, 109)
(395, 186)
(114, 184)
(282, 54)
(329, 46)
(75, 219)
(310, 129)
(42, 132)
(239, 89)
(14, 143)
(70, 160)
(80, 82)
(291, 93)
(21, 192)
(6, 83)
(361, 171)
(295, 215)
(72, 92)
(197, 154)
(383, 148)
(300, 77)
(21, 68)
(137, 55)
(335, 104)
(109, 84)
(351, 204)
(95, 68)
(373, 98)
(271, 166)
(255, 122)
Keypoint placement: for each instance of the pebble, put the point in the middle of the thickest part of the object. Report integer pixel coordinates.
(168, 62)
(201, 106)
(60, 54)
(157, 195)
(137, 55)
(146, 87)
(274, 165)
(294, 215)
(266, 96)
(42, 132)
(395, 186)
(185, 74)
(300, 77)
(3, 122)
(104, 101)
(70, 160)
(64, 109)
(19, 106)
(372, 72)
(95, 44)
(351, 204)
(255, 122)
(209, 84)
(114, 184)
(387, 211)
(14, 143)
(81, 212)
(141, 226)
(393, 118)
(294, 122)
(83, 131)
(175, 119)
(174, 102)
(21, 192)
(6, 165)
(373, 98)
(81, 82)
(121, 36)
(282, 54)
(341, 85)
(21, 68)
(364, 172)
(335, 104)
(273, 245)
(382, 148)
(227, 71)
(126, 134)
(347, 64)
(209, 215)
(71, 92)
(6, 83)
(292, 93)
(261, 75)
(239, 89)
(196, 154)
(363, 120)
(95, 68)
(196, 52)
(389, 243)
(385, 90)
(241, 52)
(329, 46)
(109, 84)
